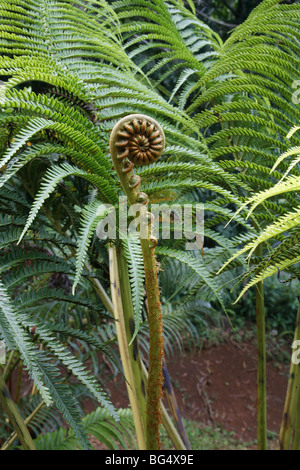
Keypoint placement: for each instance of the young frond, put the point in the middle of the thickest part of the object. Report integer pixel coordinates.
(134, 258)
(97, 424)
(15, 337)
(53, 177)
(195, 264)
(72, 364)
(92, 214)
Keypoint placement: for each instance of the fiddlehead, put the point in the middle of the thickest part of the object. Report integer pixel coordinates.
(135, 140)
(139, 139)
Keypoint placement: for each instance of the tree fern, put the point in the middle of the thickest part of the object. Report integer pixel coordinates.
(72, 364)
(16, 326)
(97, 424)
(280, 257)
(71, 71)
(195, 265)
(63, 398)
(13, 333)
(92, 214)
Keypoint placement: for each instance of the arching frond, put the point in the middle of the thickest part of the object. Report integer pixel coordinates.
(99, 425)
(15, 337)
(283, 256)
(92, 214)
(196, 265)
(134, 258)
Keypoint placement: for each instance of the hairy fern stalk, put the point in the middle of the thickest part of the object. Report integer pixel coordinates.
(70, 72)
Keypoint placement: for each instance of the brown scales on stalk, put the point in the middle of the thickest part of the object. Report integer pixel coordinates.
(139, 140)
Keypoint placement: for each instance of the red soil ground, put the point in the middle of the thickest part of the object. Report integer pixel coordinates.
(217, 386)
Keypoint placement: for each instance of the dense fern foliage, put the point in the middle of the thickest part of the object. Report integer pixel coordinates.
(99, 425)
(70, 71)
(283, 256)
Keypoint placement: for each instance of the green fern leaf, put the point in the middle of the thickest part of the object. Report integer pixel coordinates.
(196, 265)
(92, 214)
(134, 258)
(16, 338)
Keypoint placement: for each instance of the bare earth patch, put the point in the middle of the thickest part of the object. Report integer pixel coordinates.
(217, 386)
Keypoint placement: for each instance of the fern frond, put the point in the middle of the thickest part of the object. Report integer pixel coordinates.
(269, 271)
(197, 265)
(92, 214)
(77, 369)
(33, 297)
(63, 398)
(52, 179)
(16, 337)
(97, 424)
(35, 126)
(134, 258)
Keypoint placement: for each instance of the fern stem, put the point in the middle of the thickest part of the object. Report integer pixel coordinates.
(261, 364)
(170, 395)
(133, 347)
(7, 365)
(295, 410)
(14, 435)
(174, 407)
(9, 368)
(19, 382)
(155, 378)
(105, 299)
(128, 353)
(178, 436)
(101, 292)
(290, 419)
(15, 417)
(173, 433)
(146, 136)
